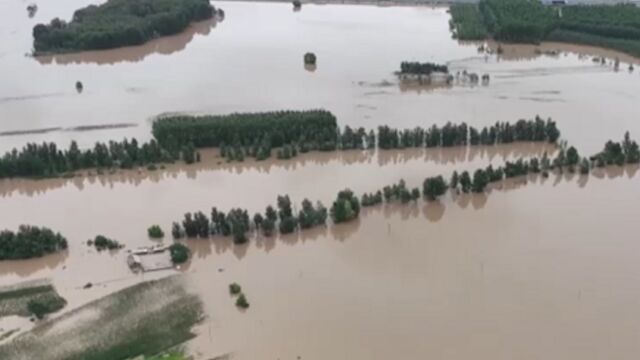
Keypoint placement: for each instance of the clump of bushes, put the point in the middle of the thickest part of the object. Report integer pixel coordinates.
(417, 68)
(310, 58)
(179, 253)
(155, 231)
(346, 207)
(30, 242)
(101, 242)
(242, 302)
(235, 289)
(41, 306)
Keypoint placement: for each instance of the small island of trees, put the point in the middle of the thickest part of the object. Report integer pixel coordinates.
(310, 58)
(30, 242)
(417, 68)
(101, 242)
(118, 23)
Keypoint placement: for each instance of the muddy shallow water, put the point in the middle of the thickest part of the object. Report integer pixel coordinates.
(530, 273)
(534, 269)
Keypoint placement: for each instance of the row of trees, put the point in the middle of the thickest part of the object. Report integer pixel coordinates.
(256, 135)
(460, 135)
(390, 138)
(47, 160)
(29, 242)
(238, 223)
(118, 23)
(418, 68)
(618, 153)
(347, 206)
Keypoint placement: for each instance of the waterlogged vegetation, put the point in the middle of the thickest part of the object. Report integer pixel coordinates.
(118, 23)
(101, 242)
(30, 242)
(467, 22)
(417, 68)
(242, 302)
(155, 232)
(235, 289)
(179, 253)
(258, 132)
(144, 319)
(37, 299)
(255, 135)
(529, 21)
(238, 223)
(241, 299)
(347, 206)
(47, 160)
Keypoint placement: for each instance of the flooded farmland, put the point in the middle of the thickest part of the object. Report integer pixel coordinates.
(535, 268)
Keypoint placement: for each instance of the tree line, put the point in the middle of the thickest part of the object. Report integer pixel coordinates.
(118, 23)
(283, 218)
(256, 135)
(47, 160)
(30, 242)
(450, 134)
(385, 137)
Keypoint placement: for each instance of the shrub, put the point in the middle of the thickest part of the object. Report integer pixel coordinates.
(242, 302)
(235, 289)
(41, 306)
(102, 242)
(179, 253)
(155, 232)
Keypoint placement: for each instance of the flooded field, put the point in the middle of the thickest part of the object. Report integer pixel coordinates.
(536, 268)
(252, 61)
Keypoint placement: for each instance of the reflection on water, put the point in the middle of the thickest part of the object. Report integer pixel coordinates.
(164, 46)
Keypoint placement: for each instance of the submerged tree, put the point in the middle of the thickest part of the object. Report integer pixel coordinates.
(434, 187)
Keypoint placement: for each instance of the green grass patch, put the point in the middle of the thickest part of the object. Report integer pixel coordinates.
(144, 319)
(29, 299)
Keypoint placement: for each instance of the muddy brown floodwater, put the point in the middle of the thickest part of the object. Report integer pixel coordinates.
(252, 61)
(534, 269)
